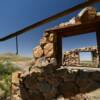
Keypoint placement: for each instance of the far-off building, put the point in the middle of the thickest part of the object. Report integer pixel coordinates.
(72, 57)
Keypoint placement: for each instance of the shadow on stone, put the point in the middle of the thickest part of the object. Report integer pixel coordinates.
(52, 83)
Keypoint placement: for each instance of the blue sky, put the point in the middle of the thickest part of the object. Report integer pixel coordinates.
(85, 56)
(16, 14)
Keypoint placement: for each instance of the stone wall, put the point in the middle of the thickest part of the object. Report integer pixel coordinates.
(72, 57)
(44, 53)
(59, 84)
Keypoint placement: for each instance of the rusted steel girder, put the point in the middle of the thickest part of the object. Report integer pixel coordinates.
(49, 19)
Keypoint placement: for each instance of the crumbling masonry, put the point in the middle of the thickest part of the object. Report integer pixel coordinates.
(72, 57)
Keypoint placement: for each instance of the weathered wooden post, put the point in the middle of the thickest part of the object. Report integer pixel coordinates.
(98, 42)
(58, 48)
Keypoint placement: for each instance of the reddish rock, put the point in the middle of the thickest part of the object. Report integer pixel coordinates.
(43, 41)
(46, 34)
(37, 52)
(48, 50)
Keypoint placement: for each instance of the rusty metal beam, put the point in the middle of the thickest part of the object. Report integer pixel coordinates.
(49, 19)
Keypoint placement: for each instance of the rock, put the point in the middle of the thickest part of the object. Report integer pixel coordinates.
(38, 52)
(35, 69)
(45, 63)
(41, 62)
(53, 61)
(44, 87)
(62, 25)
(48, 50)
(16, 97)
(2, 94)
(36, 96)
(83, 80)
(72, 21)
(51, 37)
(47, 90)
(15, 77)
(46, 34)
(32, 62)
(80, 97)
(38, 62)
(68, 89)
(30, 83)
(60, 98)
(95, 76)
(43, 41)
(87, 14)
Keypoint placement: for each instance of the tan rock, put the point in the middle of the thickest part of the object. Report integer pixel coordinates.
(15, 97)
(41, 62)
(2, 94)
(15, 77)
(53, 61)
(60, 98)
(43, 41)
(80, 97)
(51, 37)
(46, 34)
(87, 14)
(48, 50)
(38, 52)
(62, 25)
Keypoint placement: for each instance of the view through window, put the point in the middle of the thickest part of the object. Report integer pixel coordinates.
(80, 50)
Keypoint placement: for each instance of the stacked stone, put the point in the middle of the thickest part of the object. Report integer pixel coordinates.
(72, 58)
(43, 56)
(16, 95)
(44, 53)
(87, 49)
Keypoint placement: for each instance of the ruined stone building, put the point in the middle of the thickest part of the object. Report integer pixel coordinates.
(46, 79)
(72, 57)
